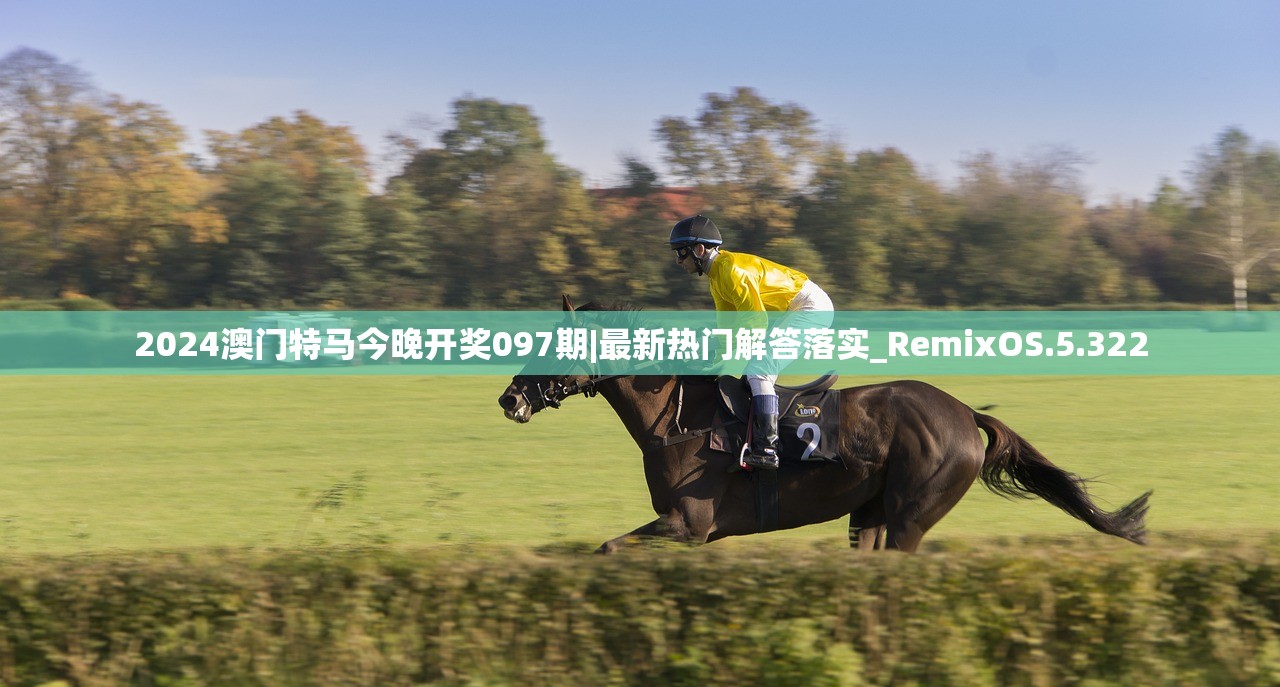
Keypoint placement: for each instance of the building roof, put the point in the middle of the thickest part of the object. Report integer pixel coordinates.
(676, 202)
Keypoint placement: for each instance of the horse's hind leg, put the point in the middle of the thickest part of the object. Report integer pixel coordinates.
(866, 526)
(914, 503)
(866, 538)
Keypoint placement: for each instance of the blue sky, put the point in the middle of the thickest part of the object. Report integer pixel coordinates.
(1137, 86)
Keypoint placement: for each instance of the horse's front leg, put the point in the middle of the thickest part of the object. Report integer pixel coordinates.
(671, 526)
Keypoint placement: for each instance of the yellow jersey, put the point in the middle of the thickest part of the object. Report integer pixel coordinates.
(743, 282)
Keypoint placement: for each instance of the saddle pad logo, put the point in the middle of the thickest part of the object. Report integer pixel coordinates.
(807, 411)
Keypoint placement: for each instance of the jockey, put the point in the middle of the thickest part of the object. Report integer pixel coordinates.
(746, 283)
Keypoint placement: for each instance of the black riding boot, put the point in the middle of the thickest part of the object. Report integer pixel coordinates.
(764, 434)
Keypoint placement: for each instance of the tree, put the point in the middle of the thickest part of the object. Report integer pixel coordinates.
(1017, 232)
(43, 104)
(1178, 263)
(401, 257)
(520, 227)
(140, 199)
(96, 189)
(1238, 184)
(305, 145)
(1139, 236)
(641, 180)
(260, 200)
(486, 135)
(293, 194)
(747, 156)
(637, 217)
(880, 227)
(541, 237)
(23, 255)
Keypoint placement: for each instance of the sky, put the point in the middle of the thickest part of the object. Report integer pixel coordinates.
(1138, 87)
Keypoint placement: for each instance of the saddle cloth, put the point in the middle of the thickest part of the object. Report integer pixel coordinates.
(808, 420)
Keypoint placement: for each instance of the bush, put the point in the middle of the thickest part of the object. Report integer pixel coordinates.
(81, 303)
(668, 617)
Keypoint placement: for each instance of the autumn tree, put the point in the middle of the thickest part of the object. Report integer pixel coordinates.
(43, 105)
(97, 192)
(141, 203)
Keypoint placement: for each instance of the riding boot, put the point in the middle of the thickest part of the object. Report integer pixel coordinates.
(764, 434)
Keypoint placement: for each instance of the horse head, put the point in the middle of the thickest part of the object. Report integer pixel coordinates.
(527, 394)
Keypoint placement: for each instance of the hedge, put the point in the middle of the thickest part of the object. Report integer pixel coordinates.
(82, 303)
(670, 616)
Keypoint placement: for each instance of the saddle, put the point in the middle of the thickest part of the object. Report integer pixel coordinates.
(808, 419)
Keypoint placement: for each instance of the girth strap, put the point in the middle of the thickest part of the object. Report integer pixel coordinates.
(767, 502)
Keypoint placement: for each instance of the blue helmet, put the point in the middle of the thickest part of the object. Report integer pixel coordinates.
(696, 229)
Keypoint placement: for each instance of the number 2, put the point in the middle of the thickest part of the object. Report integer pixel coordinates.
(811, 444)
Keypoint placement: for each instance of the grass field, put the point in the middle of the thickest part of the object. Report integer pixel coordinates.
(101, 464)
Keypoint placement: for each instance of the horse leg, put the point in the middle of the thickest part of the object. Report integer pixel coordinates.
(671, 526)
(866, 538)
(866, 526)
(915, 502)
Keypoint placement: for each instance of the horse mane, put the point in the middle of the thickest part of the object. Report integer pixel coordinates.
(623, 306)
(613, 306)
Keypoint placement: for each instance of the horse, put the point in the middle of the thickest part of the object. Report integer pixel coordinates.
(909, 451)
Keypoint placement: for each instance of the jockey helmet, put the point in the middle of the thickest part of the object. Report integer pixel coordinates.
(696, 229)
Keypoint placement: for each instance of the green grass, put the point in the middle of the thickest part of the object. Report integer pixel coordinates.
(101, 464)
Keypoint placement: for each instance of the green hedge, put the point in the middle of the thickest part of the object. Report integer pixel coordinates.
(84, 303)
(671, 616)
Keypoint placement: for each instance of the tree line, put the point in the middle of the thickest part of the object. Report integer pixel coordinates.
(98, 198)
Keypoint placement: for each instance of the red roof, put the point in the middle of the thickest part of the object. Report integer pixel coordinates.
(676, 202)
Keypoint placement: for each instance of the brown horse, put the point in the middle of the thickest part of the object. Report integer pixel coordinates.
(910, 452)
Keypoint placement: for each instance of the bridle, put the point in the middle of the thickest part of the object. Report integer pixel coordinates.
(557, 390)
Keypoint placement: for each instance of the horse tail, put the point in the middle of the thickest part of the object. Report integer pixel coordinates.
(1014, 468)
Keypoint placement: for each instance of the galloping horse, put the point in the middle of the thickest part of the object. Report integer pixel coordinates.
(910, 451)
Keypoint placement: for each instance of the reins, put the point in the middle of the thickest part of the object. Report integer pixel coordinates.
(555, 393)
(589, 387)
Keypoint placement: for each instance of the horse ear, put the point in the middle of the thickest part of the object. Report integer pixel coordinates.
(568, 304)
